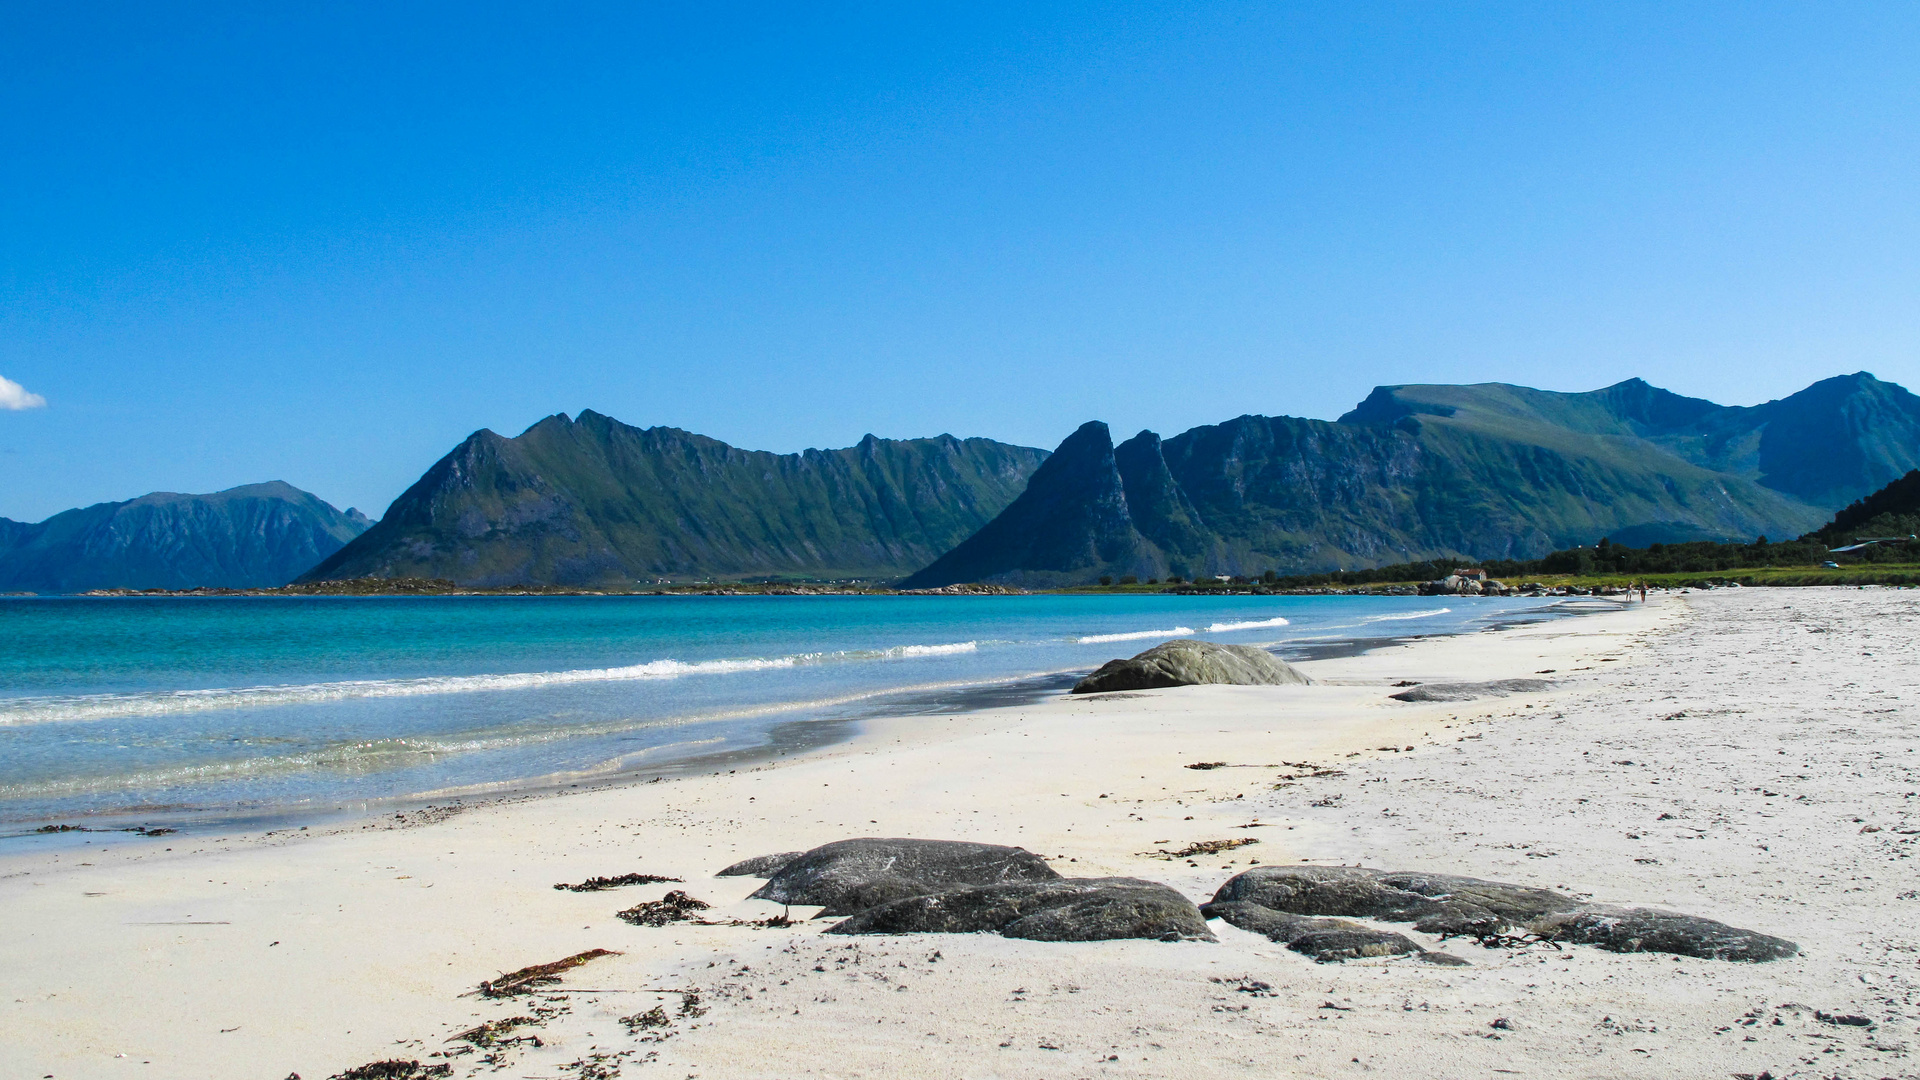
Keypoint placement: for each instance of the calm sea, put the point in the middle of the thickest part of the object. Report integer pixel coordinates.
(161, 709)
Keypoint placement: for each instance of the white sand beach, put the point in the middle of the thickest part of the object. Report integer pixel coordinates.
(1744, 755)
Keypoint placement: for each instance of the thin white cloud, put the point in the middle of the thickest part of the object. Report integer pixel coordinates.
(14, 397)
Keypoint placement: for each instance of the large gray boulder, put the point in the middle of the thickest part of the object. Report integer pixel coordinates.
(1646, 930)
(850, 876)
(1188, 662)
(1071, 909)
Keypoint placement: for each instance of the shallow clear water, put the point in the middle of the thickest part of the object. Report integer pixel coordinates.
(159, 705)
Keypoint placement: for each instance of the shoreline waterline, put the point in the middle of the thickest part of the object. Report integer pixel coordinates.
(680, 745)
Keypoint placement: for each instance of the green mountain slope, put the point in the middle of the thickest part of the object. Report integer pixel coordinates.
(1894, 510)
(1829, 444)
(593, 501)
(1487, 471)
(257, 536)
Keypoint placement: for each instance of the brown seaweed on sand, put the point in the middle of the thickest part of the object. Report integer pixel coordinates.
(598, 884)
(1203, 847)
(493, 1032)
(652, 1018)
(527, 978)
(674, 907)
(395, 1069)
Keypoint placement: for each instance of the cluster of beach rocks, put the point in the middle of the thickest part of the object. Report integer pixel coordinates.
(891, 886)
(903, 886)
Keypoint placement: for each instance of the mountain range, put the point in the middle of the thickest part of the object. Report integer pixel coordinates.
(1488, 471)
(592, 501)
(257, 536)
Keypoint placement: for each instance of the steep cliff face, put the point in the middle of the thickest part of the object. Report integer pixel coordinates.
(1072, 520)
(257, 536)
(593, 501)
(1487, 471)
(1161, 511)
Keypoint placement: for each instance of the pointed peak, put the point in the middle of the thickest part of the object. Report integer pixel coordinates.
(1093, 432)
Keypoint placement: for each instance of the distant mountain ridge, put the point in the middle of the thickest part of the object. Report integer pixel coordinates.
(592, 501)
(255, 536)
(1417, 472)
(1836, 441)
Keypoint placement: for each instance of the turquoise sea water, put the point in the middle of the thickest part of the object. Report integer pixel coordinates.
(166, 707)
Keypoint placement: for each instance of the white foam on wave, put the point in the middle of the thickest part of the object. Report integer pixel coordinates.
(933, 650)
(1262, 624)
(1408, 615)
(15, 712)
(367, 757)
(1135, 635)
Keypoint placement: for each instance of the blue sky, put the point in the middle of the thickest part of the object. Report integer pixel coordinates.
(323, 244)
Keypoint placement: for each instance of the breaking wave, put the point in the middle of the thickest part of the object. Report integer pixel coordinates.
(370, 757)
(1408, 615)
(930, 650)
(1135, 635)
(1260, 624)
(57, 709)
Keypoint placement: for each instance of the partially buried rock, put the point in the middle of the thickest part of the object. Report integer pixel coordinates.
(1645, 930)
(760, 866)
(1187, 662)
(1435, 903)
(850, 876)
(1069, 909)
(1322, 939)
(1471, 691)
(1267, 899)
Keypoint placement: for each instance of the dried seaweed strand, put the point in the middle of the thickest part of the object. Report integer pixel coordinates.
(527, 978)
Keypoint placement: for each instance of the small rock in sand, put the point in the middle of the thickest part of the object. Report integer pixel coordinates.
(1470, 691)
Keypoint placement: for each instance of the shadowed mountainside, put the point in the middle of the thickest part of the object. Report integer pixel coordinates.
(251, 537)
(1488, 471)
(1894, 510)
(592, 501)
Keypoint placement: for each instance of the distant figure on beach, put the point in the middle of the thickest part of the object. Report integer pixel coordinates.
(1643, 592)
